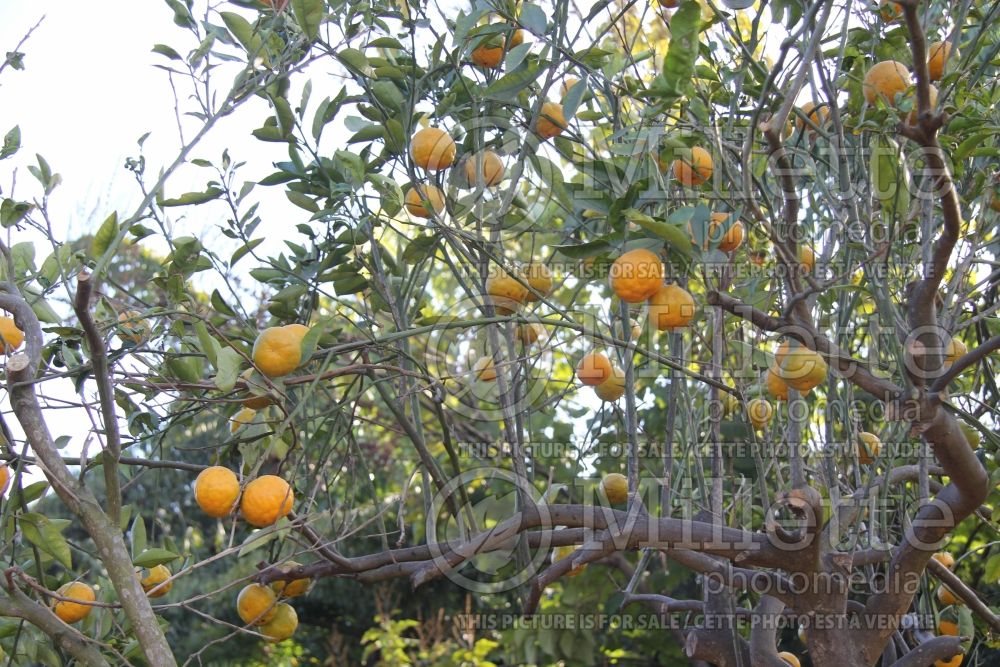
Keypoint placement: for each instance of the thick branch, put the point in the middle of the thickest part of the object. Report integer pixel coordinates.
(960, 589)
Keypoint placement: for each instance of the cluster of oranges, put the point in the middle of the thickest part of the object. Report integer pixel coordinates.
(262, 606)
(264, 500)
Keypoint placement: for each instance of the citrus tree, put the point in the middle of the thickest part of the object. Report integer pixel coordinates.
(615, 332)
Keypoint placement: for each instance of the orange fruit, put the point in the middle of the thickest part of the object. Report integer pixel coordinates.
(937, 55)
(282, 625)
(506, 292)
(593, 369)
(636, 275)
(694, 168)
(257, 402)
(485, 370)
(10, 336)
(266, 499)
(886, 79)
(4, 478)
(278, 350)
(559, 553)
(733, 237)
(489, 53)
(995, 200)
(157, 575)
(71, 610)
(948, 628)
(932, 93)
(613, 387)
(817, 113)
(807, 258)
(256, 604)
(953, 661)
(484, 169)
(759, 411)
(615, 488)
(551, 121)
(890, 11)
(294, 588)
(672, 307)
(539, 279)
(568, 83)
(421, 199)
(241, 419)
(946, 597)
(954, 351)
(801, 368)
(432, 149)
(133, 328)
(775, 385)
(529, 332)
(216, 490)
(790, 659)
(869, 447)
(945, 559)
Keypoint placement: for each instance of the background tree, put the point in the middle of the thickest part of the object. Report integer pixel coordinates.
(766, 237)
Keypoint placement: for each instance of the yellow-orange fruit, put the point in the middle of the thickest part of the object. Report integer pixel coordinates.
(282, 625)
(529, 332)
(671, 307)
(890, 11)
(10, 336)
(886, 79)
(560, 553)
(731, 239)
(484, 369)
(937, 55)
(132, 327)
(946, 597)
(156, 576)
(945, 559)
(432, 149)
(801, 368)
(948, 628)
(817, 113)
(775, 385)
(294, 588)
(615, 488)
(695, 168)
(506, 292)
(489, 53)
(216, 490)
(4, 478)
(593, 369)
(807, 258)
(484, 169)
(869, 447)
(256, 604)
(265, 500)
(539, 279)
(568, 83)
(636, 275)
(278, 350)
(790, 658)
(953, 661)
(421, 200)
(613, 387)
(759, 411)
(932, 94)
(551, 121)
(71, 610)
(955, 350)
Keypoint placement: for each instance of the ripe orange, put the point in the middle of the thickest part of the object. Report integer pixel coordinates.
(613, 387)
(568, 83)
(671, 307)
(560, 553)
(801, 368)
(216, 490)
(775, 385)
(485, 370)
(695, 168)
(636, 275)
(539, 279)
(914, 113)
(790, 659)
(278, 350)
(953, 661)
(484, 169)
(946, 597)
(937, 55)
(954, 351)
(10, 336)
(948, 628)
(432, 149)
(551, 121)
(594, 369)
(759, 411)
(421, 199)
(490, 54)
(294, 588)
(283, 625)
(886, 79)
(241, 419)
(157, 575)
(807, 258)
(266, 499)
(506, 292)
(529, 332)
(869, 447)
(133, 328)
(256, 604)
(817, 113)
(69, 611)
(4, 478)
(615, 488)
(945, 559)
(733, 237)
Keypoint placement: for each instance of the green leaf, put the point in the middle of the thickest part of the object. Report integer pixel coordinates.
(138, 536)
(385, 43)
(243, 250)
(192, 198)
(105, 236)
(46, 534)
(243, 32)
(153, 557)
(11, 142)
(670, 233)
(890, 178)
(302, 201)
(509, 85)
(419, 248)
(583, 250)
(165, 50)
(11, 212)
(354, 60)
(678, 66)
(991, 573)
(229, 362)
(309, 16)
(309, 342)
(208, 345)
(533, 18)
